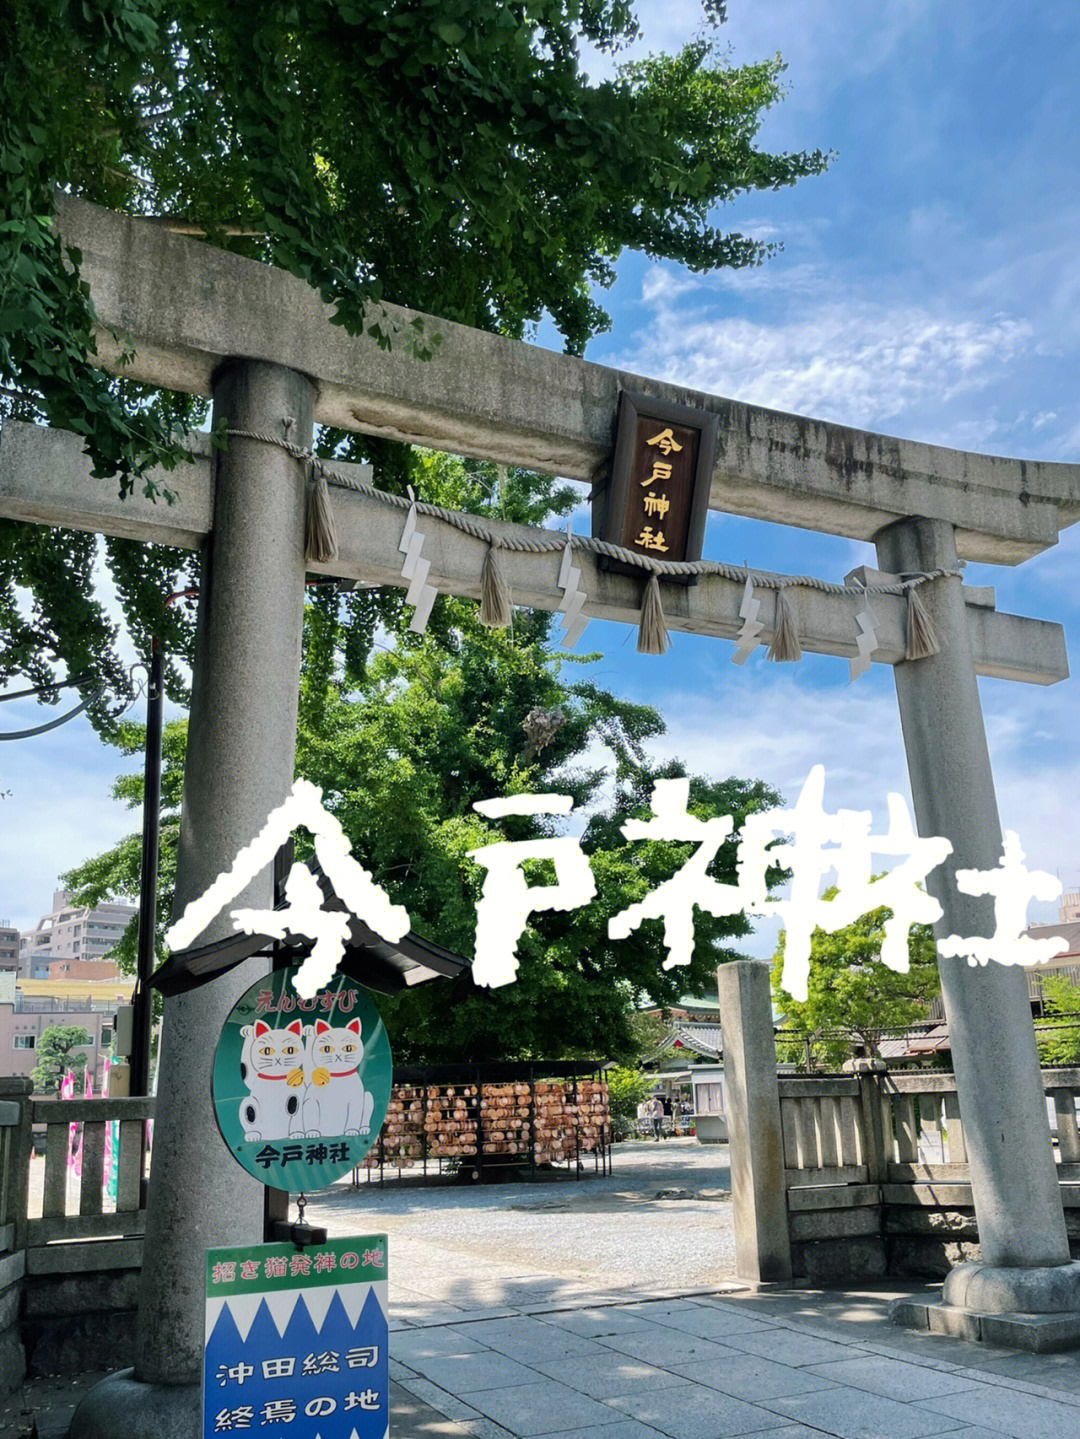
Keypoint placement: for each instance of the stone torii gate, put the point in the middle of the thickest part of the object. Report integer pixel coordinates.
(261, 343)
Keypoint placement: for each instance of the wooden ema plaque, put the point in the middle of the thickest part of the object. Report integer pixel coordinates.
(658, 496)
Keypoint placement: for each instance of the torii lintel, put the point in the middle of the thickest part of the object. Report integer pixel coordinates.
(45, 479)
(184, 307)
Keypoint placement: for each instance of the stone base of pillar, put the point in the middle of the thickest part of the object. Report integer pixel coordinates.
(1033, 1309)
(120, 1405)
(1000, 1290)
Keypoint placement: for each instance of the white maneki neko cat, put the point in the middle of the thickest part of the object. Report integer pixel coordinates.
(336, 1101)
(303, 1090)
(272, 1067)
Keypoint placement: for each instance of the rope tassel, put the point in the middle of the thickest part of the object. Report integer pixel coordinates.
(320, 532)
(652, 631)
(921, 639)
(785, 642)
(496, 605)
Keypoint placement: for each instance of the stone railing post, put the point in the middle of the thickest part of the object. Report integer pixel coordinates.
(15, 1139)
(871, 1108)
(758, 1188)
(15, 1094)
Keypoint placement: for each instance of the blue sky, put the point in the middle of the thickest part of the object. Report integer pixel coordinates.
(929, 287)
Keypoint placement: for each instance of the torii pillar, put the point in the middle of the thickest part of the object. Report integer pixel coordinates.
(240, 753)
(1025, 1266)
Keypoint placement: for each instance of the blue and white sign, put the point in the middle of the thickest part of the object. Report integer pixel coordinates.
(296, 1341)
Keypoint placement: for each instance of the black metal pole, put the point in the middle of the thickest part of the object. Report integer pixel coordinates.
(142, 1001)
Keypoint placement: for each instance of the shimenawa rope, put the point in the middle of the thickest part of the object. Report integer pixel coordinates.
(496, 605)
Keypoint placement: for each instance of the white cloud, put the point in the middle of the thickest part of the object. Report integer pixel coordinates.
(841, 357)
(811, 34)
(663, 283)
(1064, 444)
(771, 722)
(60, 811)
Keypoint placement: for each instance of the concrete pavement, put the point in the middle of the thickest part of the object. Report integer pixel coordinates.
(783, 1364)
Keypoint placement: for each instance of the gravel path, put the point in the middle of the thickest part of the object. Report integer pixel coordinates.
(469, 1247)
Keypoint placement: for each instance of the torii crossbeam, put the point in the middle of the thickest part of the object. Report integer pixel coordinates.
(45, 479)
(262, 344)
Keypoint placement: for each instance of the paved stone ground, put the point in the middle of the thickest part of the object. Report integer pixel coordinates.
(459, 1248)
(47, 1402)
(597, 1311)
(783, 1364)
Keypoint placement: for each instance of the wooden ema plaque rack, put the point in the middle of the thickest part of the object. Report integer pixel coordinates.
(465, 1121)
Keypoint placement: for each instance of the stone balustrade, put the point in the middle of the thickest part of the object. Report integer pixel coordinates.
(70, 1249)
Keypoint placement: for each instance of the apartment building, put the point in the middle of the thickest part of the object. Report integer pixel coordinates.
(9, 946)
(30, 1007)
(72, 933)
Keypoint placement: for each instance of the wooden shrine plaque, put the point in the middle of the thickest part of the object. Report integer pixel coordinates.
(657, 498)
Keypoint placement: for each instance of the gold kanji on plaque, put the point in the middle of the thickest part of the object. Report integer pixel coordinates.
(661, 470)
(656, 504)
(666, 441)
(649, 541)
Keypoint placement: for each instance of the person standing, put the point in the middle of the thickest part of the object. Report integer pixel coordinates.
(666, 1125)
(657, 1117)
(644, 1118)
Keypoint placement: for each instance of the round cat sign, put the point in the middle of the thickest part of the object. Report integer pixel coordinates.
(300, 1086)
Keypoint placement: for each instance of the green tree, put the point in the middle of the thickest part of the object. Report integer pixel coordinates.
(58, 1052)
(452, 155)
(851, 992)
(1061, 1001)
(627, 1088)
(649, 1032)
(401, 753)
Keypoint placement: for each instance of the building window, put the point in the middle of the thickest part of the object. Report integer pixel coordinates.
(23, 1041)
(709, 1098)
